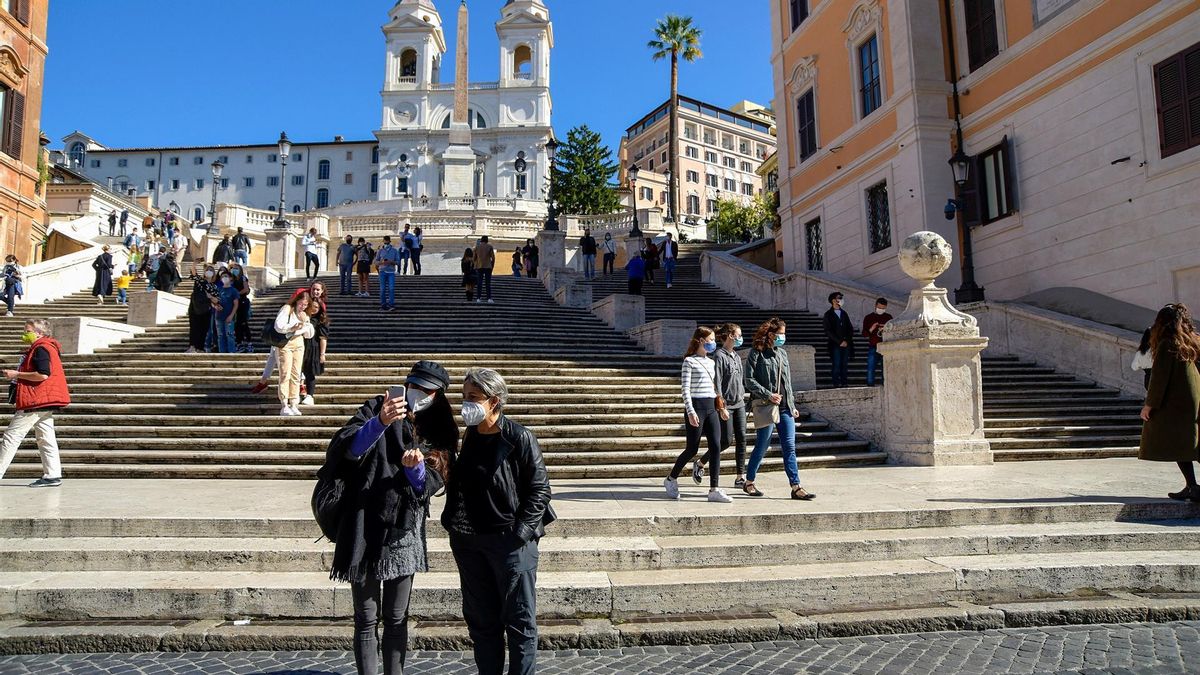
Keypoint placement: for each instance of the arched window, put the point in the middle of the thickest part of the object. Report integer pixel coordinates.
(375, 155)
(374, 183)
(323, 170)
(78, 154)
(197, 214)
(408, 65)
(474, 119)
(322, 198)
(271, 208)
(523, 63)
(296, 209)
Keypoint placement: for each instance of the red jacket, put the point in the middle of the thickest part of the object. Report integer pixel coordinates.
(869, 322)
(49, 393)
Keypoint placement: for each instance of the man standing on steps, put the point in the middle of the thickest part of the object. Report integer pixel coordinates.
(839, 339)
(386, 261)
(124, 220)
(871, 330)
(587, 249)
(670, 254)
(38, 389)
(485, 263)
(312, 259)
(407, 242)
(241, 248)
(112, 223)
(345, 261)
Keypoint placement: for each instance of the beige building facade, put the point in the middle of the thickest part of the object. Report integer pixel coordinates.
(1080, 118)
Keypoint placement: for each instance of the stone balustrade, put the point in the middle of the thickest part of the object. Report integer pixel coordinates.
(58, 277)
(84, 335)
(620, 311)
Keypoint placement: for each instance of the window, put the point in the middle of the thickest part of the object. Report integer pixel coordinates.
(1177, 88)
(651, 167)
(692, 152)
(806, 125)
(408, 66)
(727, 142)
(374, 183)
(522, 183)
(710, 157)
(150, 185)
(173, 161)
(693, 177)
(272, 181)
(870, 92)
(712, 206)
(402, 186)
(297, 180)
(249, 159)
(375, 155)
(296, 209)
(19, 9)
(322, 198)
(730, 185)
(710, 137)
(199, 183)
(748, 189)
(297, 157)
(693, 205)
(988, 195)
(174, 183)
(879, 224)
(474, 120)
(323, 170)
(149, 161)
(224, 159)
(348, 179)
(76, 155)
(744, 147)
(224, 183)
(663, 158)
(689, 132)
(799, 10)
(814, 248)
(982, 44)
(731, 162)
(662, 197)
(647, 194)
(272, 158)
(198, 214)
(198, 161)
(95, 164)
(349, 155)
(248, 182)
(711, 180)
(122, 163)
(747, 167)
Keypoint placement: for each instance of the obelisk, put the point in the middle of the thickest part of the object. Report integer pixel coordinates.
(459, 158)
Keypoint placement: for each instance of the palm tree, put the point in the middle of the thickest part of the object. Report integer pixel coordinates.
(676, 37)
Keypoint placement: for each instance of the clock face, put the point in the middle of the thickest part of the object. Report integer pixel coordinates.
(405, 114)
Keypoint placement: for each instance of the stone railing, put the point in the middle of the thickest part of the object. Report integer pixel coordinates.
(61, 276)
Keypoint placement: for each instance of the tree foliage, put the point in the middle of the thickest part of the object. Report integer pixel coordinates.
(735, 221)
(583, 169)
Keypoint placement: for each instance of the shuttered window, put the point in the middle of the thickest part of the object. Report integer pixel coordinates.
(799, 11)
(14, 123)
(20, 10)
(806, 125)
(1177, 91)
(982, 43)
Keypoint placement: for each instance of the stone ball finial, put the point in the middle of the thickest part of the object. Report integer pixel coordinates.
(925, 255)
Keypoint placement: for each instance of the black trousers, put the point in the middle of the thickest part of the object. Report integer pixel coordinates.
(198, 329)
(396, 595)
(710, 428)
(733, 430)
(242, 324)
(498, 576)
(483, 275)
(311, 261)
(635, 286)
(416, 261)
(610, 260)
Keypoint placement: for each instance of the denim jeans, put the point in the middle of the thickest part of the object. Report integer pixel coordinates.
(226, 338)
(387, 289)
(841, 365)
(346, 276)
(669, 270)
(242, 257)
(787, 443)
(589, 265)
(873, 357)
(483, 276)
(122, 295)
(405, 256)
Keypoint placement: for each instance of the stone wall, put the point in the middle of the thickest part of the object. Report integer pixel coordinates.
(59, 277)
(855, 410)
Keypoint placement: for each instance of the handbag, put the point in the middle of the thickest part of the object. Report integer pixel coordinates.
(766, 414)
(272, 336)
(720, 402)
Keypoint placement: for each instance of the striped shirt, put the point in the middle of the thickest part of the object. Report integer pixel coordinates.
(698, 379)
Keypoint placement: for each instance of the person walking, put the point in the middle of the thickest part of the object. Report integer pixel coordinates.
(226, 318)
(670, 255)
(587, 249)
(468, 272)
(418, 247)
(392, 457)
(364, 255)
(112, 223)
(223, 255)
(314, 347)
(1172, 408)
(733, 390)
(635, 268)
(103, 265)
(532, 257)
(12, 283)
(292, 322)
(485, 263)
(650, 253)
(609, 248)
(407, 243)
(518, 265)
(345, 261)
(312, 258)
(241, 328)
(242, 248)
(768, 378)
(124, 221)
(704, 413)
(122, 285)
(147, 223)
(839, 339)
(38, 389)
(497, 508)
(872, 327)
(386, 262)
(133, 244)
(1143, 359)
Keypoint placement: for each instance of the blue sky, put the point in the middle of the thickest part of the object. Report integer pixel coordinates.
(141, 72)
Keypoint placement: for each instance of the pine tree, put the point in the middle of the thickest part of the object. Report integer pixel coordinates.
(583, 169)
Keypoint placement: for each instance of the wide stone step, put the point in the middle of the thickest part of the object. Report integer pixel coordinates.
(1065, 441)
(1052, 449)
(1017, 432)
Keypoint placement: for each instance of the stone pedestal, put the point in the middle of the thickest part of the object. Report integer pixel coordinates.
(552, 249)
(151, 308)
(577, 296)
(633, 247)
(933, 392)
(665, 337)
(803, 360)
(554, 278)
(459, 163)
(263, 278)
(84, 335)
(621, 312)
(281, 251)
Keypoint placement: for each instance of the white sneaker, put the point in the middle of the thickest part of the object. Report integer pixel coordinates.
(672, 487)
(491, 302)
(477, 301)
(9, 314)
(718, 495)
(286, 411)
(296, 411)
(307, 400)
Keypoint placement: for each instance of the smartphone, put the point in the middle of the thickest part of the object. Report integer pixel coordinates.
(398, 391)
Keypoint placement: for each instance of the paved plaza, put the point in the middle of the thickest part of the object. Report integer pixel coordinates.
(1121, 648)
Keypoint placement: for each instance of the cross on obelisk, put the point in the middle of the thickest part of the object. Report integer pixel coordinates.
(459, 158)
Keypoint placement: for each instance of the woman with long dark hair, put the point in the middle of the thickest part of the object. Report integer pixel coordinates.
(393, 457)
(1169, 432)
(103, 264)
(704, 413)
(292, 322)
(314, 347)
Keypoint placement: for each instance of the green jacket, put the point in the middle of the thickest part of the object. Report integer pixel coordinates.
(766, 368)
(1174, 400)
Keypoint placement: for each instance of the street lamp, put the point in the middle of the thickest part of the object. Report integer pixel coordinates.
(670, 202)
(633, 176)
(960, 166)
(551, 205)
(520, 166)
(217, 167)
(285, 149)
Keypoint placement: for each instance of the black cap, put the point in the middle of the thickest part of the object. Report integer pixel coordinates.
(428, 375)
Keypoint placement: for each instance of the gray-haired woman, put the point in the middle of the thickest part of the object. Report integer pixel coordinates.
(497, 507)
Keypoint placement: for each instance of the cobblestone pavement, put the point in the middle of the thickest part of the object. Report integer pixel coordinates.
(1129, 648)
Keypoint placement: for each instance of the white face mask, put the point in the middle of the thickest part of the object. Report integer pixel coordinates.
(473, 413)
(209, 275)
(417, 400)
(879, 311)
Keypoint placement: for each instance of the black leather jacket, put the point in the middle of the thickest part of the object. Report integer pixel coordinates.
(505, 491)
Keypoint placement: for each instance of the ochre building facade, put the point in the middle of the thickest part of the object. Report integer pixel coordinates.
(22, 68)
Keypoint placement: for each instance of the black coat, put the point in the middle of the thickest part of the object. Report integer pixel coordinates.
(224, 253)
(514, 476)
(103, 264)
(838, 331)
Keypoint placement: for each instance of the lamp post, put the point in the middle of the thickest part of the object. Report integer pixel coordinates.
(969, 291)
(551, 204)
(285, 149)
(520, 166)
(670, 205)
(633, 176)
(217, 167)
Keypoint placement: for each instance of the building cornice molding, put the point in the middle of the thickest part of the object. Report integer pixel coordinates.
(865, 15)
(804, 72)
(12, 71)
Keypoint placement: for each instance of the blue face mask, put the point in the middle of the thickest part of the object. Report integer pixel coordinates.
(710, 347)
(780, 340)
(737, 343)
(236, 273)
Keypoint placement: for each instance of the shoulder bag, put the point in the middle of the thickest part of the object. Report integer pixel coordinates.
(720, 402)
(766, 414)
(272, 336)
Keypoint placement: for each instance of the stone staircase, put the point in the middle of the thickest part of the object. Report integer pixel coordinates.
(1031, 411)
(600, 406)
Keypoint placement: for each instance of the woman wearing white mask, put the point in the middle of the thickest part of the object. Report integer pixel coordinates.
(769, 381)
(497, 508)
(200, 308)
(733, 390)
(704, 412)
